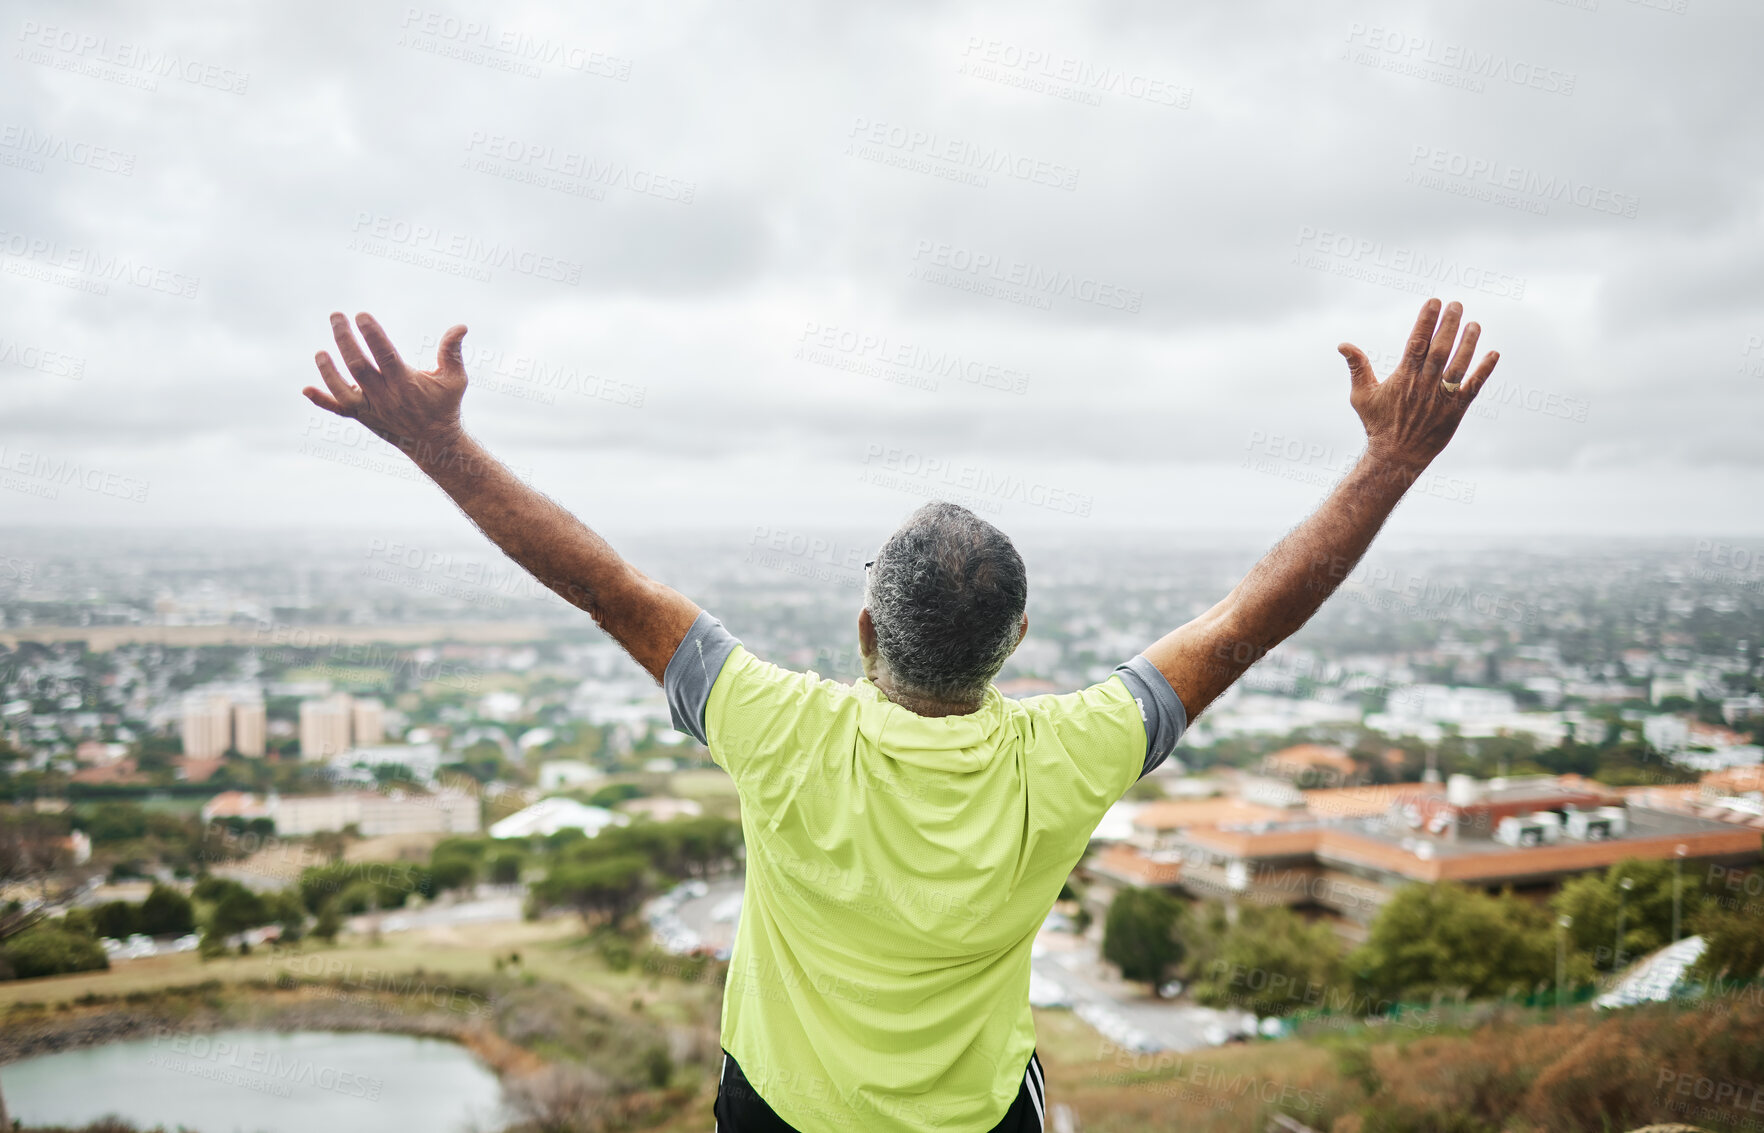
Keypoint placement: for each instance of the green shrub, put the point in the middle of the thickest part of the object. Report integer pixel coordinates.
(167, 912)
(45, 951)
(118, 920)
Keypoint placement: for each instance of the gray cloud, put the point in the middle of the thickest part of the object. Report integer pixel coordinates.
(713, 183)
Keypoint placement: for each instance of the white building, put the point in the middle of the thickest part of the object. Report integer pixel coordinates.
(1737, 708)
(206, 725)
(1685, 686)
(325, 725)
(250, 728)
(1666, 733)
(562, 774)
(662, 808)
(501, 706)
(1721, 758)
(422, 760)
(368, 724)
(548, 816)
(1425, 711)
(376, 814)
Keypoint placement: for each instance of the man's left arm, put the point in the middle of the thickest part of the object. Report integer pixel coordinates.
(419, 412)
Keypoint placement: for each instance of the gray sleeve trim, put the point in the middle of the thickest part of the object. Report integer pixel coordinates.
(1160, 708)
(692, 670)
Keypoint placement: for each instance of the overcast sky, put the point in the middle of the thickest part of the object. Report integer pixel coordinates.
(801, 266)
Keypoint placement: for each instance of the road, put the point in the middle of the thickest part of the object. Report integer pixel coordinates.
(484, 910)
(1120, 1011)
(686, 920)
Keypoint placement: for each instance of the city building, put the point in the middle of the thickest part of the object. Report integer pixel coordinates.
(1685, 686)
(562, 774)
(662, 808)
(206, 725)
(372, 813)
(368, 723)
(1428, 711)
(250, 728)
(1345, 851)
(548, 816)
(1312, 765)
(325, 726)
(422, 761)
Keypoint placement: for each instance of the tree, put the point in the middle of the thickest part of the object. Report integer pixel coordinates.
(237, 910)
(454, 871)
(607, 888)
(1272, 962)
(118, 920)
(43, 951)
(1447, 938)
(167, 912)
(613, 794)
(79, 921)
(1733, 936)
(329, 924)
(31, 844)
(1139, 935)
(358, 898)
(1595, 901)
(285, 909)
(116, 822)
(505, 869)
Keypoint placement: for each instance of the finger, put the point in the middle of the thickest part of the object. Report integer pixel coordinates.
(450, 359)
(323, 400)
(1359, 367)
(1466, 354)
(342, 392)
(1473, 384)
(1415, 351)
(351, 350)
(1441, 349)
(380, 344)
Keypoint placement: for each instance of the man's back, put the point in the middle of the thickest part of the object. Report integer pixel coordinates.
(825, 772)
(898, 869)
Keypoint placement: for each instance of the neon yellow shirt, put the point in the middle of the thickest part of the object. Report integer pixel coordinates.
(898, 869)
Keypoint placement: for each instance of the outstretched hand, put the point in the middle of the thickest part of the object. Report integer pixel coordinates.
(1411, 415)
(399, 404)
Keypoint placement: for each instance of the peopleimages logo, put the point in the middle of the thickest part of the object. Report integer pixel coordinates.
(1491, 174)
(95, 55)
(982, 482)
(928, 151)
(54, 473)
(421, 243)
(440, 33)
(252, 1067)
(901, 361)
(1409, 49)
(1406, 269)
(1032, 280)
(32, 146)
(98, 270)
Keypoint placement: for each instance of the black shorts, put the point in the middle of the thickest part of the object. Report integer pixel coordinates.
(739, 1109)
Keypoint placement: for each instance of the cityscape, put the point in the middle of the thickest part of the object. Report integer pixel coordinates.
(1369, 391)
(313, 745)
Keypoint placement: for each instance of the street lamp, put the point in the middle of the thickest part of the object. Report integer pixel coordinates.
(1678, 853)
(1563, 923)
(1623, 888)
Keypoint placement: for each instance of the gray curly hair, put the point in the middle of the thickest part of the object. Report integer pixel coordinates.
(946, 595)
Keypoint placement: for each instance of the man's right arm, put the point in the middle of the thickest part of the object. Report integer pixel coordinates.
(1409, 418)
(419, 412)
